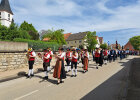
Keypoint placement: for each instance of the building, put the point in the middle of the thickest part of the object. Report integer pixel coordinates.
(76, 40)
(129, 46)
(67, 35)
(113, 46)
(6, 14)
(101, 40)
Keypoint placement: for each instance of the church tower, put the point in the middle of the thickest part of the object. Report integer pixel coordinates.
(6, 14)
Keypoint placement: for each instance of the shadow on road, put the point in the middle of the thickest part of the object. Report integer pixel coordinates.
(112, 89)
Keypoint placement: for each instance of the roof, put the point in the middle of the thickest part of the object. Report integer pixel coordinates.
(129, 46)
(101, 40)
(5, 6)
(67, 35)
(46, 39)
(114, 46)
(76, 36)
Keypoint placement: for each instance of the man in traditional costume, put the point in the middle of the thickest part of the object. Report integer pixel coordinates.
(68, 59)
(59, 70)
(97, 56)
(31, 59)
(86, 60)
(74, 62)
(105, 52)
(50, 59)
(82, 57)
(101, 58)
(46, 60)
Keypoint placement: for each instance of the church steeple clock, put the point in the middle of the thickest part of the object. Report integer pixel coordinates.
(6, 14)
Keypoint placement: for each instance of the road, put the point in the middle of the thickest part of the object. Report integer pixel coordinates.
(104, 83)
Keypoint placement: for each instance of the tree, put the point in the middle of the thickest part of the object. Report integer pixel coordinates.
(135, 41)
(55, 36)
(91, 40)
(30, 29)
(12, 32)
(103, 46)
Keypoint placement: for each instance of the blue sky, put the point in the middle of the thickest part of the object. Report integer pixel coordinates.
(112, 19)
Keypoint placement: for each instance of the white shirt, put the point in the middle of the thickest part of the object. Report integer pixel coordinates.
(33, 53)
(76, 57)
(62, 55)
(48, 56)
(87, 54)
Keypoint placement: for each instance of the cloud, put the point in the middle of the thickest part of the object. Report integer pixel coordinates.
(78, 15)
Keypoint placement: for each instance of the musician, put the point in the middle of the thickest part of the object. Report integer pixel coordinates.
(59, 70)
(31, 59)
(68, 59)
(97, 56)
(50, 59)
(74, 62)
(105, 52)
(82, 57)
(46, 60)
(86, 59)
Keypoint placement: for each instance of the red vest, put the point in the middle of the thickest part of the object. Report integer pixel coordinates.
(105, 53)
(45, 55)
(50, 55)
(74, 59)
(31, 58)
(97, 54)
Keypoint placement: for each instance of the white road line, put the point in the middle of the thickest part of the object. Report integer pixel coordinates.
(49, 85)
(26, 95)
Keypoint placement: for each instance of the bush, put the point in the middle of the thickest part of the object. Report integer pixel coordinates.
(38, 45)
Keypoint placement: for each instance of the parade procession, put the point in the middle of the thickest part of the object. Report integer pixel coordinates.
(68, 60)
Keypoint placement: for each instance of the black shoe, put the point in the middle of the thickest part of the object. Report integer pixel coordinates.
(96, 67)
(58, 83)
(72, 75)
(61, 81)
(28, 76)
(46, 77)
(32, 75)
(75, 75)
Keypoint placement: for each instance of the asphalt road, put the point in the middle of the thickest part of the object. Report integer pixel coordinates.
(105, 83)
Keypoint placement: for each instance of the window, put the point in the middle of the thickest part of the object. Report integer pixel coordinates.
(75, 41)
(8, 16)
(0, 15)
(80, 41)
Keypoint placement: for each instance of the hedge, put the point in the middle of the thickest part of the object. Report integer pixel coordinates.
(39, 45)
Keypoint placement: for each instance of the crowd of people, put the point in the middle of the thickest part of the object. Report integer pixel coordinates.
(72, 57)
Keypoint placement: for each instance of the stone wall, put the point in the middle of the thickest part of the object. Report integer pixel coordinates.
(13, 46)
(9, 61)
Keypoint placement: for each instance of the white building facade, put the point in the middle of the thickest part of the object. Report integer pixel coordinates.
(6, 14)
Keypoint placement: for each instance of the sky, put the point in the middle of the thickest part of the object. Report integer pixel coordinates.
(111, 19)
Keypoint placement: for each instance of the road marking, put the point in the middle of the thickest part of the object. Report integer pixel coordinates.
(49, 85)
(26, 95)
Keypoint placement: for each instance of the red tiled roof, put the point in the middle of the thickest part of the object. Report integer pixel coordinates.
(129, 46)
(67, 35)
(46, 39)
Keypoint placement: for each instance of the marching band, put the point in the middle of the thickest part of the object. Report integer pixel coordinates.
(72, 57)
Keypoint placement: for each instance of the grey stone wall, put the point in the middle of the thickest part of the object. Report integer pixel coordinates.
(13, 46)
(9, 61)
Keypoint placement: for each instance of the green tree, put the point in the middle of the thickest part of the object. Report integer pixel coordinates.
(91, 40)
(30, 29)
(3, 32)
(103, 46)
(55, 36)
(135, 41)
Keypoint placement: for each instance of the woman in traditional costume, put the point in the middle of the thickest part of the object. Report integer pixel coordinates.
(59, 70)
(86, 60)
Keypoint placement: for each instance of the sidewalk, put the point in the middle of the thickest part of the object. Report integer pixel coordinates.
(21, 72)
